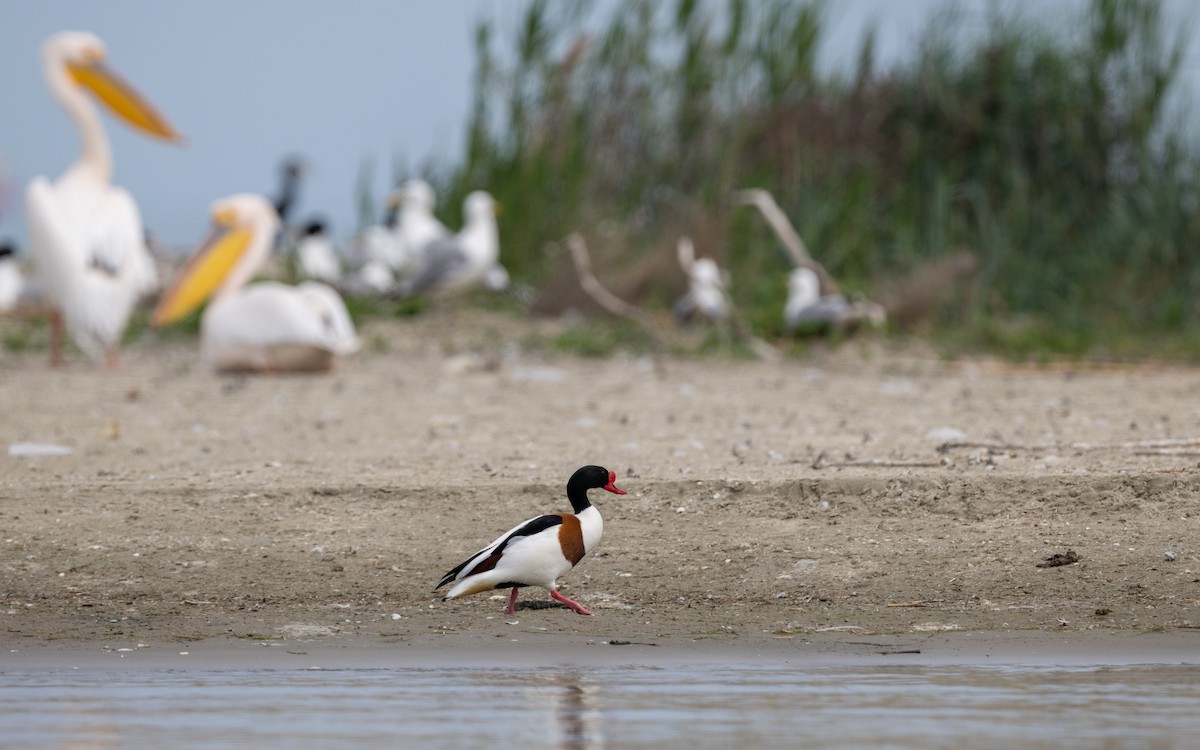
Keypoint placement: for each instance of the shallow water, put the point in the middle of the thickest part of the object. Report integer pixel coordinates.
(721, 706)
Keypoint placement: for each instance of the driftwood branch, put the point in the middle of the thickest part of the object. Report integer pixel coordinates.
(787, 234)
(685, 251)
(594, 289)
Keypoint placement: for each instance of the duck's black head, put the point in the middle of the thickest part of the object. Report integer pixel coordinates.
(588, 478)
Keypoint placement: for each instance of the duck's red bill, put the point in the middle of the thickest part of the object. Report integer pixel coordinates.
(612, 487)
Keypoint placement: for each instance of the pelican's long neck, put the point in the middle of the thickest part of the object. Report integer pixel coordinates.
(256, 254)
(96, 158)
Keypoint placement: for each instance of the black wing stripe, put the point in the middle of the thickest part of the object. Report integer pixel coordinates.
(529, 528)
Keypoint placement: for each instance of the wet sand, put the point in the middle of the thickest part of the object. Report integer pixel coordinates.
(770, 503)
(518, 647)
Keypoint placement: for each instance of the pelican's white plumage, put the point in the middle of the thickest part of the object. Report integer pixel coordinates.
(85, 234)
(267, 326)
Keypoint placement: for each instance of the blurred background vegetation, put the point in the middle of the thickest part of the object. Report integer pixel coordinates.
(1047, 152)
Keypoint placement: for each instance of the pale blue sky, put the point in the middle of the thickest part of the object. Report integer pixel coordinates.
(250, 81)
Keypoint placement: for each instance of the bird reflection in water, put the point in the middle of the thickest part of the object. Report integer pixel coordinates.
(576, 709)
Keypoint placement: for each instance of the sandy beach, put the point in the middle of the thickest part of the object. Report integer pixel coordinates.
(770, 504)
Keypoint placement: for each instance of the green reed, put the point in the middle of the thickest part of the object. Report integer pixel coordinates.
(1046, 150)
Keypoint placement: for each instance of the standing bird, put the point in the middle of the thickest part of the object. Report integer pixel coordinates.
(291, 174)
(706, 287)
(264, 327)
(85, 234)
(416, 226)
(538, 551)
(12, 285)
(463, 260)
(315, 255)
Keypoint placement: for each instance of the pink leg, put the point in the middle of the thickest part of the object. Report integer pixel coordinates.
(512, 602)
(578, 608)
(113, 361)
(56, 338)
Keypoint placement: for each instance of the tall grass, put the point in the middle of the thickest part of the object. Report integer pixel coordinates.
(1048, 151)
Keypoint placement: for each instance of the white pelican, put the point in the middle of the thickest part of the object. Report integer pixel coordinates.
(85, 234)
(267, 326)
(463, 260)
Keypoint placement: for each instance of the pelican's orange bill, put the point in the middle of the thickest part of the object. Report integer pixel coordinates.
(202, 274)
(123, 99)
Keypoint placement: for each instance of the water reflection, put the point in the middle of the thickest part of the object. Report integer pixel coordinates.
(1030, 707)
(577, 707)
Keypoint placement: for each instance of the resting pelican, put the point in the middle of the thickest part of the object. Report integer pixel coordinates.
(85, 234)
(267, 326)
(463, 260)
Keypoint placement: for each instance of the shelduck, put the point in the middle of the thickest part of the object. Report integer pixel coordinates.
(538, 551)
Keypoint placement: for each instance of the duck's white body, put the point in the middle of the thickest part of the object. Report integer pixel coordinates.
(266, 326)
(535, 560)
(86, 235)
